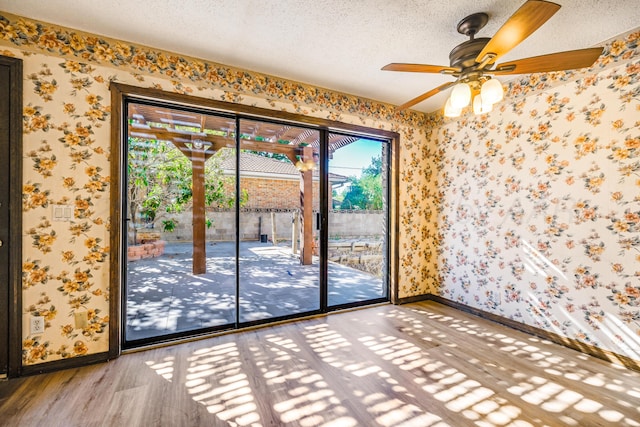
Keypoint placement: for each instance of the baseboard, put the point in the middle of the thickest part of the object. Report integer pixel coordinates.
(571, 343)
(416, 298)
(58, 365)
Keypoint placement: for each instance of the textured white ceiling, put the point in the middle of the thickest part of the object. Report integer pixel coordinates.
(336, 44)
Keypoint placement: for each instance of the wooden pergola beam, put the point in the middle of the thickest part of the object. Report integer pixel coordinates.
(216, 141)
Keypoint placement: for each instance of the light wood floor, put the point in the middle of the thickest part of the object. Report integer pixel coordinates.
(420, 364)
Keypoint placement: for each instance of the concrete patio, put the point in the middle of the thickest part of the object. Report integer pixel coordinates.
(165, 297)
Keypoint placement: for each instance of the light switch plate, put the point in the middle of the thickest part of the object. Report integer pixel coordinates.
(61, 212)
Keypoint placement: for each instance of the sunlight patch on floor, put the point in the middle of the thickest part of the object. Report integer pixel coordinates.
(429, 386)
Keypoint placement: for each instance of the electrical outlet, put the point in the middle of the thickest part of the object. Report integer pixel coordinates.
(81, 319)
(37, 325)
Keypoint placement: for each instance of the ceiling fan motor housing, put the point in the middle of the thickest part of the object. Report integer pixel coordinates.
(464, 55)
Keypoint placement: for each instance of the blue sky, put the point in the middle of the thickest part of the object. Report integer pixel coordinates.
(350, 160)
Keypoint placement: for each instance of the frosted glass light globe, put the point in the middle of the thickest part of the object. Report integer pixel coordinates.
(480, 106)
(449, 111)
(491, 91)
(460, 95)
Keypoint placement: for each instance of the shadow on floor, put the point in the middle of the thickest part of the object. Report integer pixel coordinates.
(165, 297)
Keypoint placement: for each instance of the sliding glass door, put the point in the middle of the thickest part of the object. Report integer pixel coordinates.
(232, 221)
(357, 245)
(279, 188)
(180, 224)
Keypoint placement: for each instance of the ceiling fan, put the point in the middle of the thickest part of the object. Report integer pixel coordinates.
(472, 61)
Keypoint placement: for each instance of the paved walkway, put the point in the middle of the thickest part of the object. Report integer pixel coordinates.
(164, 297)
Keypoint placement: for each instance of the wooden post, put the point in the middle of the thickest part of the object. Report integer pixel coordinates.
(295, 232)
(274, 239)
(197, 151)
(199, 229)
(306, 207)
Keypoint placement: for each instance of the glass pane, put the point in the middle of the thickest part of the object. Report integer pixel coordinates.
(180, 222)
(279, 187)
(357, 226)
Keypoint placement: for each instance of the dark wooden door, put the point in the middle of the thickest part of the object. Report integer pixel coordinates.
(10, 212)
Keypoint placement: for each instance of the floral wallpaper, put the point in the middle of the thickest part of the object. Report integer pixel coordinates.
(65, 264)
(540, 204)
(66, 160)
(521, 212)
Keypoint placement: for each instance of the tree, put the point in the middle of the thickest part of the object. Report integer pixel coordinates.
(366, 192)
(160, 183)
(355, 197)
(372, 188)
(375, 168)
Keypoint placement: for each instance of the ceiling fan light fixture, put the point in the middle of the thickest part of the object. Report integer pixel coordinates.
(492, 91)
(460, 95)
(450, 111)
(472, 61)
(480, 106)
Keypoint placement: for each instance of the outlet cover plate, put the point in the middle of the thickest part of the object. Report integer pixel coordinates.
(81, 319)
(36, 325)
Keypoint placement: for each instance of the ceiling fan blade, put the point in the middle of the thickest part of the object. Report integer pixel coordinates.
(518, 27)
(425, 95)
(419, 68)
(568, 60)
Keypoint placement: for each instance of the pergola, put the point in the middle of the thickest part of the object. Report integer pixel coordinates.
(199, 136)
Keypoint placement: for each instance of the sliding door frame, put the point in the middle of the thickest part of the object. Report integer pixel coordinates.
(122, 94)
(322, 134)
(11, 164)
(387, 279)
